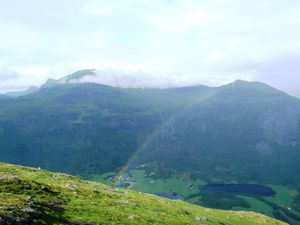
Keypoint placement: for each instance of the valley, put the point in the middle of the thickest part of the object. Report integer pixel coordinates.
(172, 141)
(271, 200)
(31, 196)
(150, 112)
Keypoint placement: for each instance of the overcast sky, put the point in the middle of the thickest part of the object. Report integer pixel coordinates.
(210, 42)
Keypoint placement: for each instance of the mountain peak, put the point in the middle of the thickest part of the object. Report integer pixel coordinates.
(239, 81)
(252, 87)
(78, 75)
(247, 83)
(49, 83)
(69, 79)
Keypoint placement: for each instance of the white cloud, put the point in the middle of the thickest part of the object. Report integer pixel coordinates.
(110, 64)
(191, 41)
(282, 73)
(8, 74)
(213, 58)
(118, 78)
(180, 21)
(32, 70)
(137, 79)
(234, 42)
(96, 11)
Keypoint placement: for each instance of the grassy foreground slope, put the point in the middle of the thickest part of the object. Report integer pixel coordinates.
(33, 196)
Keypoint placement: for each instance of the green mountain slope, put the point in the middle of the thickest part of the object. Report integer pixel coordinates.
(244, 132)
(67, 121)
(33, 196)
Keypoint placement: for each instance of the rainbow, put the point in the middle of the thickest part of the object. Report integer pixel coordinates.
(148, 139)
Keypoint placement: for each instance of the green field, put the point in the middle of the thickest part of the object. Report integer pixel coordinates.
(138, 181)
(184, 186)
(256, 206)
(281, 202)
(104, 178)
(282, 197)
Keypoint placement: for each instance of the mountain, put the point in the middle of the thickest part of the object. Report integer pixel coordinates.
(3, 96)
(115, 78)
(67, 121)
(21, 93)
(72, 78)
(243, 132)
(34, 196)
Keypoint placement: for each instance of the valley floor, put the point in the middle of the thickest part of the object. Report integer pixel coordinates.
(279, 206)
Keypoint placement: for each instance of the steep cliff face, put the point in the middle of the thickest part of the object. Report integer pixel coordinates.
(244, 132)
(281, 126)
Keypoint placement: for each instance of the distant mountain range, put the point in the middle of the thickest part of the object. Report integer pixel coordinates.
(241, 132)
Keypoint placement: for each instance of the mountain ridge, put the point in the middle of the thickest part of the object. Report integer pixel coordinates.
(78, 78)
(243, 132)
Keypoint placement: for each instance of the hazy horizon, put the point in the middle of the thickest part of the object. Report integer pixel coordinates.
(184, 41)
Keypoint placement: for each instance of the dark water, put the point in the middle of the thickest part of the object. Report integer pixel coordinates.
(169, 196)
(248, 189)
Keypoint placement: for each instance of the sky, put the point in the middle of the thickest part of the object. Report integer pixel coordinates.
(211, 42)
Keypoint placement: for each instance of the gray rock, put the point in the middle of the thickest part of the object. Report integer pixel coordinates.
(55, 205)
(13, 220)
(32, 212)
(27, 187)
(9, 207)
(28, 210)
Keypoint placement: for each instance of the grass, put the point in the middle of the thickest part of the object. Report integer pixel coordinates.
(256, 206)
(282, 200)
(282, 197)
(141, 183)
(181, 186)
(170, 185)
(104, 178)
(96, 203)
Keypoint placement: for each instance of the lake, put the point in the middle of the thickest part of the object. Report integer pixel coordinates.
(169, 196)
(247, 189)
